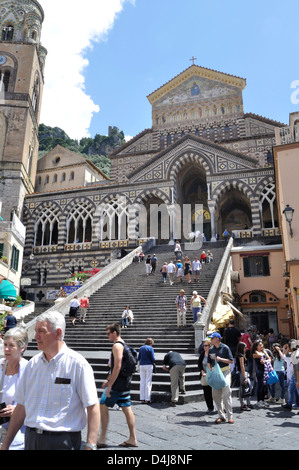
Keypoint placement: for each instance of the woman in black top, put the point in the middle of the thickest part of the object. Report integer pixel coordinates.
(259, 357)
(202, 365)
(244, 376)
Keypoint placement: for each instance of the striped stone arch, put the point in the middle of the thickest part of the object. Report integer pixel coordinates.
(262, 184)
(28, 221)
(227, 185)
(266, 192)
(112, 206)
(46, 221)
(78, 200)
(45, 205)
(189, 157)
(149, 193)
(77, 221)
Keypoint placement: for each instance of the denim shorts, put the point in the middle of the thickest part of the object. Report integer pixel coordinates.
(122, 399)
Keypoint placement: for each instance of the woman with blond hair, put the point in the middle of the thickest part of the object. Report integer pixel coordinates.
(146, 358)
(11, 370)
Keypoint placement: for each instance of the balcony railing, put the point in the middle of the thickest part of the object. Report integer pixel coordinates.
(286, 135)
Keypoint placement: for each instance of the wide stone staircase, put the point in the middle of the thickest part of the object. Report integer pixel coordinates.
(154, 309)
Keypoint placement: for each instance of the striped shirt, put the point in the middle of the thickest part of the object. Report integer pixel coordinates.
(55, 394)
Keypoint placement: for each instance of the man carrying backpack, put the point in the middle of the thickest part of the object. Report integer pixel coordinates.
(117, 387)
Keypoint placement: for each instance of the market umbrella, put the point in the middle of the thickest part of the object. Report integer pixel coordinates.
(7, 291)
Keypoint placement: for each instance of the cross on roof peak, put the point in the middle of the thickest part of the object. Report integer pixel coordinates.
(193, 59)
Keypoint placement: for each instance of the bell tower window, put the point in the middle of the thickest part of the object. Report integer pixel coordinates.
(4, 80)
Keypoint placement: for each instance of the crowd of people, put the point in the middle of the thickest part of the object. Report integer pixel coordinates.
(48, 401)
(179, 268)
(264, 366)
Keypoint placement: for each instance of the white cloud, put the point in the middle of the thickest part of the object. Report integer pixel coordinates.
(69, 29)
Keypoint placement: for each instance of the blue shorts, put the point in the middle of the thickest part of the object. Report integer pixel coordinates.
(122, 399)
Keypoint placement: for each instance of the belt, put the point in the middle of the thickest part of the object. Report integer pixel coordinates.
(51, 433)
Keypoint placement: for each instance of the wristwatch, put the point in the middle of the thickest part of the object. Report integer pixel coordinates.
(91, 446)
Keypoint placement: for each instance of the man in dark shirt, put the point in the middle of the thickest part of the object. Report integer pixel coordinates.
(175, 365)
(221, 353)
(231, 337)
(9, 322)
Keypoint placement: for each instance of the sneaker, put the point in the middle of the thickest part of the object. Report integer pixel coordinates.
(281, 401)
(271, 400)
(266, 405)
(287, 406)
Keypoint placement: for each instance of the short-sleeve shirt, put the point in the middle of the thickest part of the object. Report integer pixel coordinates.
(56, 393)
(223, 351)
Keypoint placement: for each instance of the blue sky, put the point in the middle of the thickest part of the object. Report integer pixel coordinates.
(145, 43)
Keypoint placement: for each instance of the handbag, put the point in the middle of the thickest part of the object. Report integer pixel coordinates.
(272, 378)
(245, 390)
(203, 381)
(215, 378)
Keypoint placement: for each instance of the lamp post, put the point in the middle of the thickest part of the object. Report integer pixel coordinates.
(288, 213)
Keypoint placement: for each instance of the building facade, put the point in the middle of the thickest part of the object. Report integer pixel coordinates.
(22, 60)
(202, 151)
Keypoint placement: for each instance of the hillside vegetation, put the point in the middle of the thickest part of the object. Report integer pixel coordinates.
(96, 149)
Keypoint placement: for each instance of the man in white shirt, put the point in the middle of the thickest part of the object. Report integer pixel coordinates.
(171, 272)
(56, 395)
(196, 267)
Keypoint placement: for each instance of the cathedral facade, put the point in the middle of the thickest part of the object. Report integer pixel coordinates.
(202, 151)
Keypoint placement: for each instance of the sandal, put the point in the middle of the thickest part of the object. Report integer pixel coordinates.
(220, 420)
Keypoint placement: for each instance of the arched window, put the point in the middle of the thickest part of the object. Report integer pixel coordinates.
(268, 207)
(72, 175)
(46, 227)
(161, 142)
(7, 33)
(269, 158)
(234, 131)
(55, 178)
(168, 139)
(212, 134)
(113, 220)
(35, 96)
(257, 297)
(226, 132)
(79, 223)
(63, 177)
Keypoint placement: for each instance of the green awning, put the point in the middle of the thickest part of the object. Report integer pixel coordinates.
(7, 291)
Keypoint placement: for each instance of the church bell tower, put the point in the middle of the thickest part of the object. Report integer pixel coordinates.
(22, 60)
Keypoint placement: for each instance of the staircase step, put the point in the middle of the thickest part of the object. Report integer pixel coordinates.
(153, 305)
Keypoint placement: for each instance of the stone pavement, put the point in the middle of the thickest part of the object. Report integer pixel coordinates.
(188, 428)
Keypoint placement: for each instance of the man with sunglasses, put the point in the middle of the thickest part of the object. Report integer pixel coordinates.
(116, 390)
